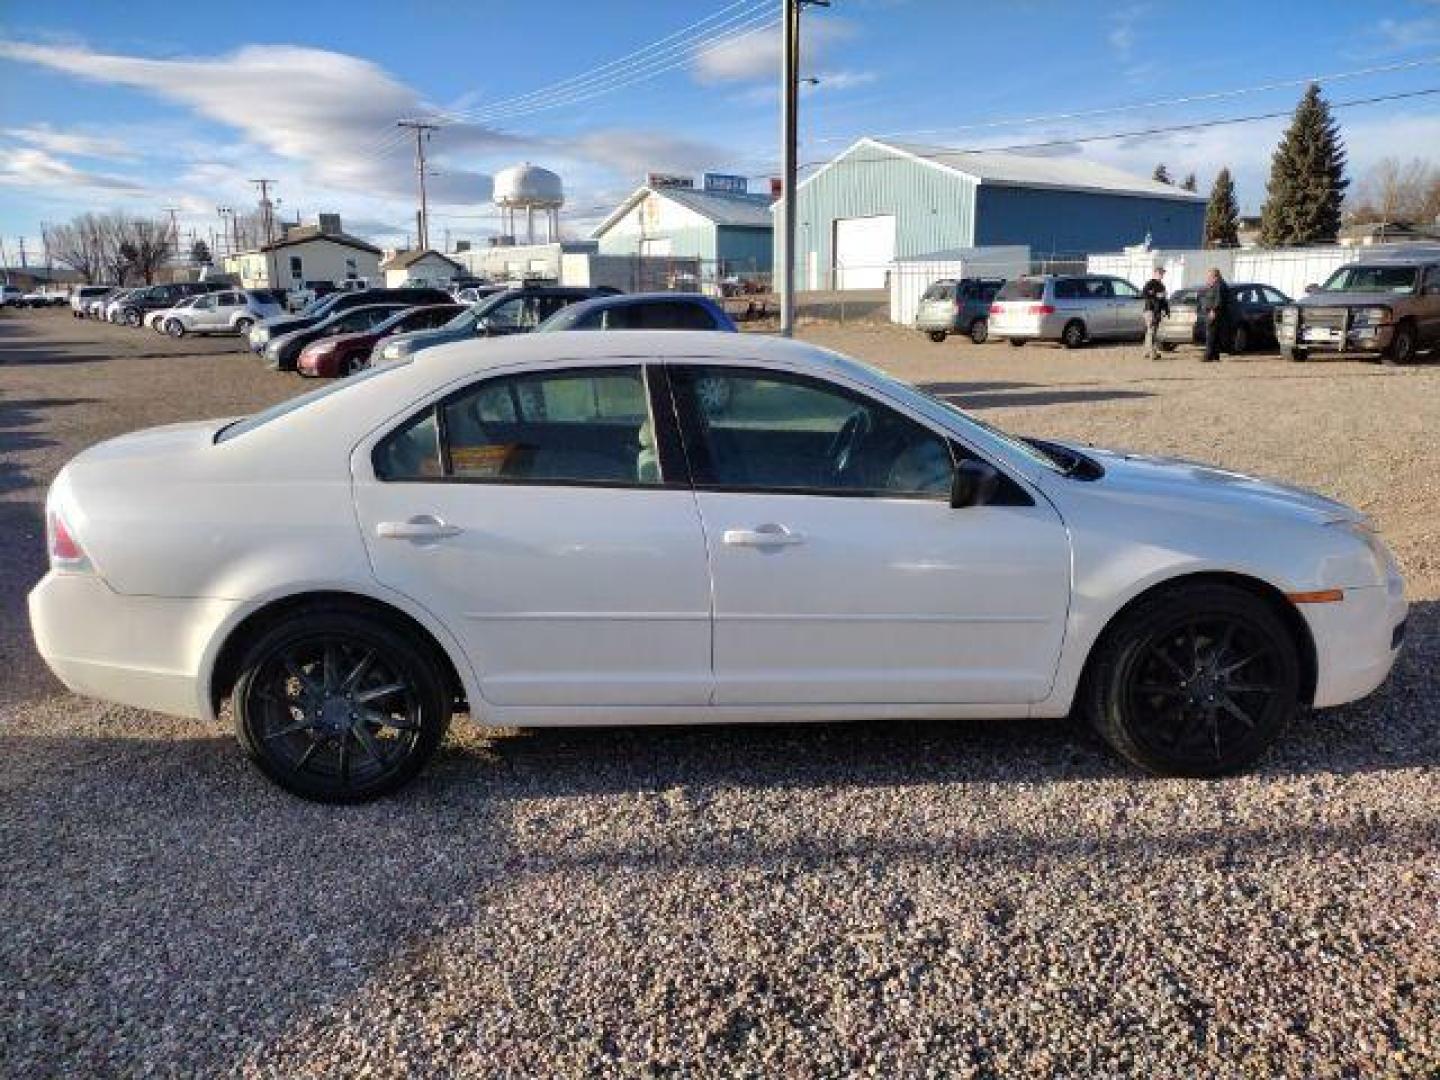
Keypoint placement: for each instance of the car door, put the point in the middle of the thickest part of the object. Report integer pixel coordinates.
(549, 522)
(841, 573)
(1127, 309)
(1428, 304)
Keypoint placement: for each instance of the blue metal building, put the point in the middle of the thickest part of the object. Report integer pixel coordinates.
(729, 232)
(879, 201)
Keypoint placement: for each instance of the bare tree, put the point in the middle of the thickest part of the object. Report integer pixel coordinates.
(1395, 190)
(78, 245)
(149, 242)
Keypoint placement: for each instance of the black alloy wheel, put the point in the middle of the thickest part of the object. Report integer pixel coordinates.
(1196, 681)
(1073, 336)
(339, 707)
(175, 328)
(1402, 346)
(980, 331)
(937, 336)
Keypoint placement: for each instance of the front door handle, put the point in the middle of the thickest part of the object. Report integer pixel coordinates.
(421, 527)
(762, 536)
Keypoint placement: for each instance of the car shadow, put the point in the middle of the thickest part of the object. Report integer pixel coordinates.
(1002, 396)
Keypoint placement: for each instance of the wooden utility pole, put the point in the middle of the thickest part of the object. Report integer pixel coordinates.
(422, 131)
(789, 138)
(267, 216)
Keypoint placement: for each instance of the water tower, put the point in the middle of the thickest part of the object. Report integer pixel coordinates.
(529, 188)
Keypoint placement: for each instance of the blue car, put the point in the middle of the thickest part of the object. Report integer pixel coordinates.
(642, 311)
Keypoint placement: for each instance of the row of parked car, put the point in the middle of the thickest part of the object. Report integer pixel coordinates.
(1387, 306)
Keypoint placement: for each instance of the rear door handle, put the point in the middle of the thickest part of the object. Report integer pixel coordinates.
(762, 536)
(422, 527)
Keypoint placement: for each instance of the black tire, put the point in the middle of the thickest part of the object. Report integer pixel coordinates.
(980, 331)
(1073, 336)
(175, 328)
(242, 326)
(1167, 346)
(1298, 356)
(132, 317)
(1015, 342)
(1240, 340)
(302, 713)
(1194, 680)
(1402, 345)
(936, 336)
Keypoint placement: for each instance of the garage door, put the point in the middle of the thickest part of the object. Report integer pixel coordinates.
(864, 249)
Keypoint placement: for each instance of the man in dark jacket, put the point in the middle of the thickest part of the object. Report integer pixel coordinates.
(1157, 306)
(1214, 309)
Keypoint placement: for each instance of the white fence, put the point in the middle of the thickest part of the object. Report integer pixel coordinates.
(1286, 269)
(909, 278)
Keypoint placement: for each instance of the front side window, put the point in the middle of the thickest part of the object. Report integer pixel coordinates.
(1124, 289)
(767, 431)
(589, 426)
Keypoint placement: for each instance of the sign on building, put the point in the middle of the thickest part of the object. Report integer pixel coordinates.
(726, 184)
(664, 180)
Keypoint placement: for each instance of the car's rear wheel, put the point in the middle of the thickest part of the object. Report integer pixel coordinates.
(936, 336)
(1016, 342)
(336, 706)
(1195, 680)
(1073, 336)
(1299, 356)
(980, 331)
(242, 326)
(1402, 345)
(132, 317)
(175, 328)
(1167, 346)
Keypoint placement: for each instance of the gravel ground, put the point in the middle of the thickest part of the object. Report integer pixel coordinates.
(974, 898)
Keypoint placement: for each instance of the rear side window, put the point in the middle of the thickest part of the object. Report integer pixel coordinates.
(589, 426)
(657, 316)
(1025, 289)
(941, 290)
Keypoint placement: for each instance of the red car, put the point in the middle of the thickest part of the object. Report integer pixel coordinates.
(333, 357)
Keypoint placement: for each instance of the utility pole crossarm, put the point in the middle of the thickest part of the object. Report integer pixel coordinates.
(422, 131)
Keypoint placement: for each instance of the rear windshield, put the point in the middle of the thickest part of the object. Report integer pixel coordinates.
(1024, 289)
(941, 290)
(285, 408)
(1391, 279)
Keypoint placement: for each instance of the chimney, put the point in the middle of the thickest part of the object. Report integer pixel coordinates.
(329, 224)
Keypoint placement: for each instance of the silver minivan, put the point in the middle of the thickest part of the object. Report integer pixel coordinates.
(1069, 308)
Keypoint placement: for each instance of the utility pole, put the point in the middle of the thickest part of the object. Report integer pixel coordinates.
(422, 135)
(789, 117)
(267, 218)
(174, 229)
(23, 264)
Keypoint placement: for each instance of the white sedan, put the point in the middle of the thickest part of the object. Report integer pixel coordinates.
(555, 529)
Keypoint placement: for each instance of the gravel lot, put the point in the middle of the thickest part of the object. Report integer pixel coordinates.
(975, 898)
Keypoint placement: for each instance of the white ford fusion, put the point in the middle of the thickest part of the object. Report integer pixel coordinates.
(561, 529)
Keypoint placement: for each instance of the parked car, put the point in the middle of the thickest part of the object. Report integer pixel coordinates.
(335, 357)
(84, 296)
(282, 352)
(515, 310)
(1389, 306)
(325, 306)
(951, 306)
(642, 311)
(134, 307)
(233, 311)
(110, 311)
(298, 299)
(551, 530)
(11, 295)
(43, 297)
(1251, 320)
(473, 294)
(1069, 308)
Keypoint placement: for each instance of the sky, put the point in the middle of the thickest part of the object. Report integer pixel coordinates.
(143, 106)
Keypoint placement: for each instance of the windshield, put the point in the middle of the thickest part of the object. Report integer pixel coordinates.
(1373, 279)
(285, 408)
(1024, 289)
(941, 290)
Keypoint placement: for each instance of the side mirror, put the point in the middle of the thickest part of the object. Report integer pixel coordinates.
(1311, 288)
(974, 484)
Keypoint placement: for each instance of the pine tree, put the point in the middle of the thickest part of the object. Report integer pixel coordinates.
(1162, 174)
(1307, 178)
(1189, 182)
(1222, 216)
(200, 253)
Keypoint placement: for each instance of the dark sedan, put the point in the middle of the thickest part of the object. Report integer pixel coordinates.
(282, 352)
(1252, 318)
(335, 357)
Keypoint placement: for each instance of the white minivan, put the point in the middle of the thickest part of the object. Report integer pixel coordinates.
(1069, 308)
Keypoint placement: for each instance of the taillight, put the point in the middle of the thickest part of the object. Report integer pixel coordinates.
(1042, 309)
(994, 309)
(65, 552)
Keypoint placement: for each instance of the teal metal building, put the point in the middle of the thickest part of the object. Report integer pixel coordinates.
(879, 201)
(729, 232)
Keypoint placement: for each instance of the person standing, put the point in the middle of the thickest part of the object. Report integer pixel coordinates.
(1214, 309)
(1157, 306)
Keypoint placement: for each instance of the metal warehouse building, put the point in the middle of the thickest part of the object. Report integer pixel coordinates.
(879, 201)
(728, 231)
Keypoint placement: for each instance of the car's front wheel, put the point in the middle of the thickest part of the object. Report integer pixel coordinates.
(980, 331)
(175, 328)
(937, 336)
(1402, 345)
(1073, 336)
(338, 706)
(132, 317)
(242, 326)
(1195, 680)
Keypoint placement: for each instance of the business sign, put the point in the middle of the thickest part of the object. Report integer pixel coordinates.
(663, 180)
(725, 184)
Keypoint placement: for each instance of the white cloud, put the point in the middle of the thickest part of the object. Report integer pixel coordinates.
(76, 143)
(634, 153)
(756, 55)
(28, 167)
